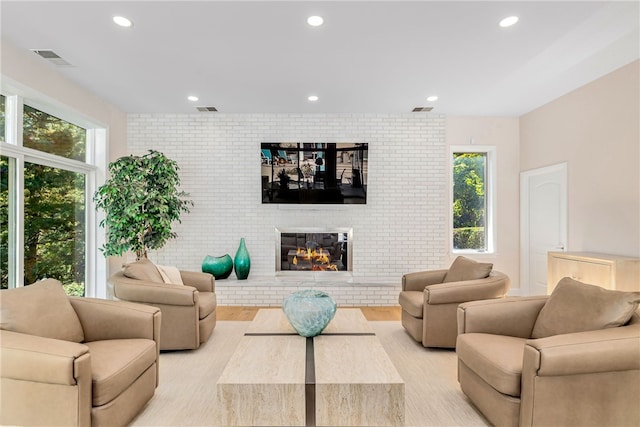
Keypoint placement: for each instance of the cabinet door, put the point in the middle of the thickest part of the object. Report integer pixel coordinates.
(584, 271)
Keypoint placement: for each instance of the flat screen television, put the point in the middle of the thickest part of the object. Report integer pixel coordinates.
(314, 173)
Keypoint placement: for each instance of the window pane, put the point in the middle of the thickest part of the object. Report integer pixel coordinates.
(3, 103)
(50, 134)
(4, 222)
(54, 226)
(469, 201)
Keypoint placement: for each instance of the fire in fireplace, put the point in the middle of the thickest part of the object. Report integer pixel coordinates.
(311, 259)
(313, 250)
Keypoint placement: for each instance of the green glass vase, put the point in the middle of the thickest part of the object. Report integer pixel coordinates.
(242, 262)
(221, 267)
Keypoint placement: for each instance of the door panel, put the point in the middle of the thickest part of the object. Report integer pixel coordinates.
(544, 224)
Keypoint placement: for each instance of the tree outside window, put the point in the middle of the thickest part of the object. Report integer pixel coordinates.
(470, 201)
(4, 222)
(54, 203)
(3, 103)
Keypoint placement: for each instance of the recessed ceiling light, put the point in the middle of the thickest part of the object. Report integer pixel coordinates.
(122, 21)
(313, 98)
(315, 21)
(432, 98)
(192, 98)
(508, 21)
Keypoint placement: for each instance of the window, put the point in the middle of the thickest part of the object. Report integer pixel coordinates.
(4, 222)
(50, 134)
(472, 199)
(2, 114)
(45, 197)
(54, 226)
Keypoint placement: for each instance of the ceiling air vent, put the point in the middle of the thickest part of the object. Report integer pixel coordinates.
(421, 109)
(51, 56)
(205, 109)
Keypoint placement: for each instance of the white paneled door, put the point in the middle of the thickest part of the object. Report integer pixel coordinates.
(543, 212)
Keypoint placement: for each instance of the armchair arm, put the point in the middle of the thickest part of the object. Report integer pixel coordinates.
(514, 316)
(44, 381)
(105, 319)
(565, 376)
(145, 292)
(43, 360)
(419, 280)
(494, 286)
(203, 282)
(605, 350)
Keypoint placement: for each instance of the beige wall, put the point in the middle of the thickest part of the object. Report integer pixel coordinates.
(501, 132)
(596, 130)
(29, 71)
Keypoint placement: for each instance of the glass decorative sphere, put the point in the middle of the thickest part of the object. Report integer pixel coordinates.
(309, 311)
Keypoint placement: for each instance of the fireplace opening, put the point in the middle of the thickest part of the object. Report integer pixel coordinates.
(313, 250)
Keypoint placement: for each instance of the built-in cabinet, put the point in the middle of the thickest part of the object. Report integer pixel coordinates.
(608, 271)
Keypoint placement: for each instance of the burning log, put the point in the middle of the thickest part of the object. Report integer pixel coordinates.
(316, 260)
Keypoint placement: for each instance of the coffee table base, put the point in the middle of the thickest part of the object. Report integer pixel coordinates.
(341, 378)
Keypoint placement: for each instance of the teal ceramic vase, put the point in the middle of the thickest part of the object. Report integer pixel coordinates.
(309, 311)
(242, 262)
(221, 267)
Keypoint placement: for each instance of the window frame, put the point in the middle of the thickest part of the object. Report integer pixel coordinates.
(94, 169)
(490, 197)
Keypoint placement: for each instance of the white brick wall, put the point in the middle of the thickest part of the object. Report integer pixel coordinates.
(269, 291)
(402, 227)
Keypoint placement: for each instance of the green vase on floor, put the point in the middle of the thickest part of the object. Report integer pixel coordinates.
(221, 267)
(242, 262)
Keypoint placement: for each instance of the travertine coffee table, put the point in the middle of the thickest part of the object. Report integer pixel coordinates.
(340, 378)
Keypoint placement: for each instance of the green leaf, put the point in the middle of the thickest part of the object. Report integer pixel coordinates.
(141, 200)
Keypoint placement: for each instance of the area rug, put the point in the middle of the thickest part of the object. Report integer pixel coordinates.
(186, 394)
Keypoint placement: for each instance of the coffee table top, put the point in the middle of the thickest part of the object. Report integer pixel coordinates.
(362, 360)
(274, 321)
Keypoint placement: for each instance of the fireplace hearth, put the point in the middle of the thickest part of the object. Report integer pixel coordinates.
(303, 250)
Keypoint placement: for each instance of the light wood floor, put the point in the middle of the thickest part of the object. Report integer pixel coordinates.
(247, 313)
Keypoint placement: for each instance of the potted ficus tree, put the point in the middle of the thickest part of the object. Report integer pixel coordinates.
(141, 200)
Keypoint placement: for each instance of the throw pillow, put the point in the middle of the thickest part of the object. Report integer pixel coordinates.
(170, 274)
(42, 309)
(467, 269)
(142, 270)
(578, 307)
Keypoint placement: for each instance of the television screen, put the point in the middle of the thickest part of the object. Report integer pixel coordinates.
(314, 173)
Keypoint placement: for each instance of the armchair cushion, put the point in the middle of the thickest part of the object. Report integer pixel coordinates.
(208, 303)
(497, 359)
(142, 270)
(577, 307)
(464, 268)
(412, 302)
(116, 364)
(48, 314)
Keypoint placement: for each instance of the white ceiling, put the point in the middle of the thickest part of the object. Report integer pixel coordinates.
(368, 57)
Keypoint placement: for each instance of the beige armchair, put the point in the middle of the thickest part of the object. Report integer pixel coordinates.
(188, 311)
(561, 360)
(69, 361)
(429, 299)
